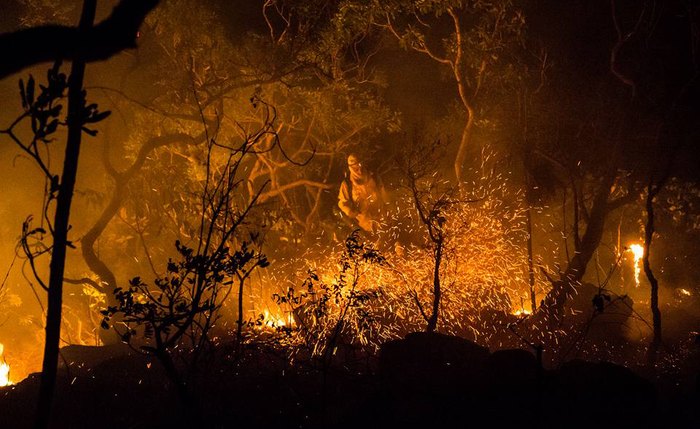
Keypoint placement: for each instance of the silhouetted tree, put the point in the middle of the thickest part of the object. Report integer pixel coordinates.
(43, 112)
(175, 315)
(432, 201)
(31, 46)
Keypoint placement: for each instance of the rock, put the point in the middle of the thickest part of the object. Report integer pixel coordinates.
(604, 392)
(514, 368)
(431, 362)
(76, 356)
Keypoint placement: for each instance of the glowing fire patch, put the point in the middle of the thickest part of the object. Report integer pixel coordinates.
(638, 253)
(4, 369)
(274, 321)
(521, 312)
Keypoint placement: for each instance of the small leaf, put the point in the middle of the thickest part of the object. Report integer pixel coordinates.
(56, 110)
(90, 132)
(51, 128)
(30, 90)
(100, 116)
(23, 95)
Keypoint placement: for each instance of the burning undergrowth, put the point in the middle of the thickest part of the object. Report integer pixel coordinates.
(375, 287)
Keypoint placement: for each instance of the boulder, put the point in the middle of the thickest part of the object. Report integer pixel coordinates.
(432, 362)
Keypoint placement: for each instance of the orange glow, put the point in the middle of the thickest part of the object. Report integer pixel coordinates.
(521, 312)
(276, 321)
(4, 369)
(638, 253)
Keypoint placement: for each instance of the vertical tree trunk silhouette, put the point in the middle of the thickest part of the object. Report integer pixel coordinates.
(530, 260)
(648, 236)
(76, 106)
(432, 321)
(653, 190)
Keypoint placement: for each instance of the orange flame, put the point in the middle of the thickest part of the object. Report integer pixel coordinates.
(638, 253)
(4, 369)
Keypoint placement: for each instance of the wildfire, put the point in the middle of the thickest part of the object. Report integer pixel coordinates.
(638, 253)
(275, 321)
(4, 369)
(521, 312)
(481, 275)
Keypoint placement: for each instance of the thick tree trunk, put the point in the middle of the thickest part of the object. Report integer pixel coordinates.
(576, 268)
(87, 245)
(121, 183)
(76, 105)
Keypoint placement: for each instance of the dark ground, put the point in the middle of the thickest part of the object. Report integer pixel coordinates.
(424, 380)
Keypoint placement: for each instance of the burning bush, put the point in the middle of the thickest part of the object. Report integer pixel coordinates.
(339, 308)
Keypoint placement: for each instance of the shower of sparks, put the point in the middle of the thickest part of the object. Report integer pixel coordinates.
(638, 253)
(483, 274)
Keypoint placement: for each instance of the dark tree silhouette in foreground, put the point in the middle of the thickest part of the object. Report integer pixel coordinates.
(432, 202)
(175, 314)
(82, 44)
(43, 113)
(24, 48)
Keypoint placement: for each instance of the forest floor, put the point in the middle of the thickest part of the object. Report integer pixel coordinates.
(428, 380)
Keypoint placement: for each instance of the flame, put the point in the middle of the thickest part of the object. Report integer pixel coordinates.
(522, 312)
(4, 369)
(275, 321)
(638, 253)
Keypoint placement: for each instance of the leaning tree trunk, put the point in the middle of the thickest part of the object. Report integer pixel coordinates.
(585, 249)
(76, 106)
